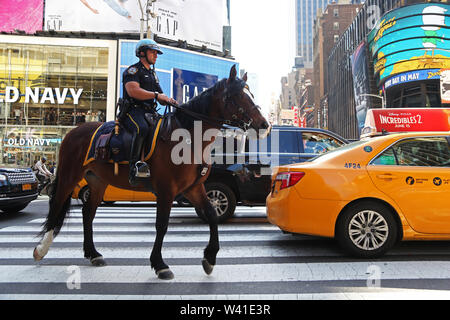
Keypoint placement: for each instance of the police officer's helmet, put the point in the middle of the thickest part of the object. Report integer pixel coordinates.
(147, 44)
(43, 159)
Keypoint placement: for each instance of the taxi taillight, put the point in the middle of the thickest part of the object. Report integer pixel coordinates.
(288, 179)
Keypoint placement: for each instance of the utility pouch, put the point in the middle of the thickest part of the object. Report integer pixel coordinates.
(124, 106)
(102, 147)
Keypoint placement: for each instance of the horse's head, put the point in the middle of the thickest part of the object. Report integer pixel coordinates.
(240, 109)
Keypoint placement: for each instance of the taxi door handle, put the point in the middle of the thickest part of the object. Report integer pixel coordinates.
(387, 176)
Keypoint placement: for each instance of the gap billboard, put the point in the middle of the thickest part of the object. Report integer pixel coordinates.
(198, 22)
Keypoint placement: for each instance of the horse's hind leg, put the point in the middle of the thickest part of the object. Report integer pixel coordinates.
(96, 191)
(164, 204)
(197, 196)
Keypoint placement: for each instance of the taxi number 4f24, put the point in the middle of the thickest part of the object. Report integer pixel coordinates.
(351, 165)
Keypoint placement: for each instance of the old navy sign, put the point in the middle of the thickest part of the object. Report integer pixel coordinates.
(40, 95)
(31, 142)
(413, 76)
(189, 84)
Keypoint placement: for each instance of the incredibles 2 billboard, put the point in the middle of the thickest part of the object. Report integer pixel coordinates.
(415, 37)
(402, 119)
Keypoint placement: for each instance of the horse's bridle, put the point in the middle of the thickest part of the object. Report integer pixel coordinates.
(236, 122)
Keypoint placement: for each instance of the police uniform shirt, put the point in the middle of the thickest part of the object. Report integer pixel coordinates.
(147, 80)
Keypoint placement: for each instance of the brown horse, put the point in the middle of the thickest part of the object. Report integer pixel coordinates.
(227, 102)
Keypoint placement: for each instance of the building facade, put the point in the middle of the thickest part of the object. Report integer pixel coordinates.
(329, 27)
(391, 55)
(297, 95)
(305, 14)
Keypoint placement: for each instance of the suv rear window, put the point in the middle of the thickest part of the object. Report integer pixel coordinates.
(286, 141)
(319, 143)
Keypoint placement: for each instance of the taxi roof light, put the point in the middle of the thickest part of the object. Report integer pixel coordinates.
(392, 120)
(288, 179)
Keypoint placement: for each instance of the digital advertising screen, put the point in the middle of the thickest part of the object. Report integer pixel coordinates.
(411, 38)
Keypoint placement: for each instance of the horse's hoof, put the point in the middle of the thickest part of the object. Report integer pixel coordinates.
(207, 266)
(98, 261)
(36, 255)
(165, 274)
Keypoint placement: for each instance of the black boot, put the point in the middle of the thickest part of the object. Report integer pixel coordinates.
(138, 169)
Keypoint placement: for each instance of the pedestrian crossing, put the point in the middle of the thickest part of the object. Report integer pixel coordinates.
(255, 261)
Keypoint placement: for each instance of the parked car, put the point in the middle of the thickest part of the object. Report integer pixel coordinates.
(242, 167)
(18, 187)
(369, 194)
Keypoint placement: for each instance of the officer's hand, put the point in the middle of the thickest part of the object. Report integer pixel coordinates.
(165, 100)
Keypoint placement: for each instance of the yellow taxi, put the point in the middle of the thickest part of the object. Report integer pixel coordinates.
(112, 194)
(368, 194)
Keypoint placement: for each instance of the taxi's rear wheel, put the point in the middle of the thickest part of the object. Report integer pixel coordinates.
(222, 199)
(367, 229)
(84, 194)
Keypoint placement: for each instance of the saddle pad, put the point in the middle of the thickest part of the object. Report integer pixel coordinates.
(122, 142)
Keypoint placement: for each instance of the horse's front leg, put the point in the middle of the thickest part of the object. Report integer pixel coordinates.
(164, 205)
(197, 196)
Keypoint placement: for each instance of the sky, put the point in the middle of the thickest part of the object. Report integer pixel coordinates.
(263, 42)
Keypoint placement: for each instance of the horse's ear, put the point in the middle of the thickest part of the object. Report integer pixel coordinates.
(233, 73)
(245, 77)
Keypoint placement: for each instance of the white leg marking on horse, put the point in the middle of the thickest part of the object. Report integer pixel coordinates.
(44, 245)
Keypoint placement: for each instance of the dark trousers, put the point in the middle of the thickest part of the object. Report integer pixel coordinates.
(134, 121)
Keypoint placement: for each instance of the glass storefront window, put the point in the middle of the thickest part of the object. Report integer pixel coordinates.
(46, 90)
(22, 146)
(67, 69)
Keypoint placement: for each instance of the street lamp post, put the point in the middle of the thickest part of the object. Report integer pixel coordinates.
(383, 101)
(145, 18)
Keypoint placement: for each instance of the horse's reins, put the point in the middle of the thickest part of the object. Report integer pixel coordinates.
(217, 121)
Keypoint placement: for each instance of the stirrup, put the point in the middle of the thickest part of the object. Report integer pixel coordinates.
(142, 170)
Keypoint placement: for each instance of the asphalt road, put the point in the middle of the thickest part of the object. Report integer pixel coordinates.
(256, 261)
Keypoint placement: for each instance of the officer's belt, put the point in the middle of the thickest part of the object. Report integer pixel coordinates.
(144, 106)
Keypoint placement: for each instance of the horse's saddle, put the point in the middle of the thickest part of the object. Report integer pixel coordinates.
(108, 147)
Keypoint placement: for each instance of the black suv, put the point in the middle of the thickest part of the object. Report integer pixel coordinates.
(243, 176)
(18, 187)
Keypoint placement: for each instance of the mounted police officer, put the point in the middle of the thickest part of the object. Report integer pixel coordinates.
(141, 88)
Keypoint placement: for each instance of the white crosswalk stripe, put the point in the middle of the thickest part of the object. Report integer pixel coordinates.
(256, 261)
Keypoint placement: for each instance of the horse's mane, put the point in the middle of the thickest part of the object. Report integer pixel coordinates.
(198, 104)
